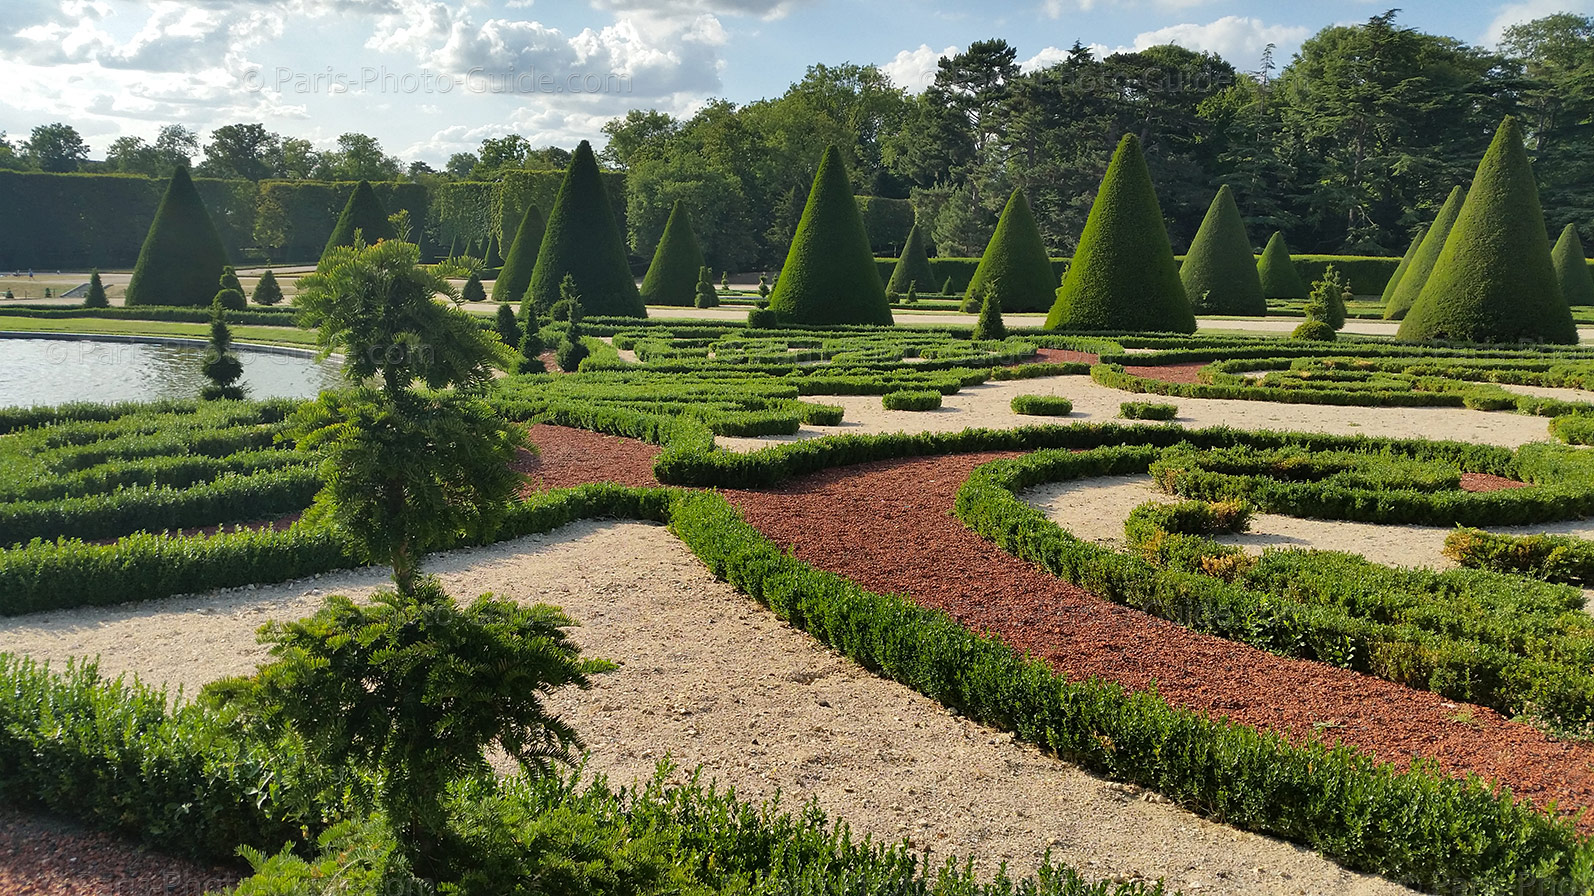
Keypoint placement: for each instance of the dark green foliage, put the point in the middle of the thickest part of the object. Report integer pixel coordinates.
(1277, 273)
(1220, 265)
(673, 276)
(1147, 410)
(230, 300)
(473, 291)
(911, 400)
(570, 354)
(1314, 330)
(990, 326)
(763, 288)
(1571, 268)
(946, 286)
(531, 348)
(515, 275)
(267, 292)
(1494, 281)
(1422, 263)
(1015, 267)
(1405, 264)
(1553, 558)
(182, 255)
(1042, 405)
(583, 241)
(1573, 429)
(220, 365)
(362, 214)
(506, 324)
(829, 276)
(1123, 276)
(705, 296)
(96, 297)
(912, 266)
(1327, 302)
(911, 297)
(229, 280)
(762, 318)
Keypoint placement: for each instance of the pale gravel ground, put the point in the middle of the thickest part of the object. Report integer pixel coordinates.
(712, 679)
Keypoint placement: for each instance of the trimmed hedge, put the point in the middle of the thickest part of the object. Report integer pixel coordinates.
(583, 240)
(1553, 558)
(1014, 268)
(1220, 266)
(1042, 405)
(183, 256)
(1147, 410)
(911, 400)
(830, 276)
(1405, 264)
(1422, 263)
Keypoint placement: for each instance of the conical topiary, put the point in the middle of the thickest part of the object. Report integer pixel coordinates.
(363, 213)
(673, 275)
(1400, 269)
(515, 275)
(506, 324)
(1015, 263)
(96, 297)
(913, 266)
(182, 255)
(267, 292)
(1494, 281)
(989, 325)
(1571, 268)
(1276, 270)
(830, 276)
(1123, 276)
(1417, 273)
(229, 280)
(582, 240)
(473, 291)
(1220, 265)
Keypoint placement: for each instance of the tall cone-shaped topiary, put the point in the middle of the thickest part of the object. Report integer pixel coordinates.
(673, 275)
(183, 256)
(364, 213)
(1571, 268)
(913, 266)
(1405, 265)
(1220, 265)
(1417, 273)
(830, 276)
(1123, 276)
(582, 240)
(1276, 270)
(1494, 281)
(1015, 263)
(515, 275)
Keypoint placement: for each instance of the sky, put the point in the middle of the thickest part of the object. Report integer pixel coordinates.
(429, 78)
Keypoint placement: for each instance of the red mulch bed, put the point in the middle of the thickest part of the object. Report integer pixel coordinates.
(1169, 373)
(567, 457)
(1065, 356)
(1484, 482)
(44, 856)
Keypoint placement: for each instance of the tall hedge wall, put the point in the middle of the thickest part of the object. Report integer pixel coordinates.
(473, 210)
(310, 210)
(886, 222)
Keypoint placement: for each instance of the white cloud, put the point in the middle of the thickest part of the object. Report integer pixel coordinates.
(1238, 39)
(764, 9)
(1055, 9)
(915, 69)
(1046, 58)
(1509, 14)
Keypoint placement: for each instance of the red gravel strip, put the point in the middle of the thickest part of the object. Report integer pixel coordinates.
(1065, 356)
(567, 457)
(45, 856)
(1484, 482)
(1169, 373)
(889, 527)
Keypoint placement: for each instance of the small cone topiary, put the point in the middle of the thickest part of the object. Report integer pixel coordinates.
(1015, 262)
(946, 287)
(1123, 275)
(571, 351)
(507, 326)
(1276, 270)
(990, 325)
(912, 265)
(672, 277)
(220, 365)
(96, 297)
(229, 279)
(473, 291)
(182, 256)
(1417, 273)
(515, 275)
(830, 276)
(1220, 265)
(1400, 269)
(704, 295)
(582, 241)
(267, 292)
(1571, 268)
(362, 214)
(1494, 281)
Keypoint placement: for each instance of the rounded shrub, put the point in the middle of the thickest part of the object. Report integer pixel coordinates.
(1315, 331)
(1042, 405)
(182, 256)
(1416, 276)
(913, 266)
(762, 319)
(1276, 271)
(1015, 267)
(267, 292)
(673, 276)
(362, 214)
(515, 275)
(1220, 265)
(231, 300)
(1147, 410)
(1123, 276)
(1571, 268)
(911, 400)
(830, 275)
(582, 241)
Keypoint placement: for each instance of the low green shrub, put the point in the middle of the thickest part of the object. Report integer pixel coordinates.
(1314, 331)
(1147, 410)
(1554, 558)
(1573, 429)
(911, 400)
(1042, 405)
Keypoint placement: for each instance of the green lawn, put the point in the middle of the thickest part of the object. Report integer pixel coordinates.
(267, 335)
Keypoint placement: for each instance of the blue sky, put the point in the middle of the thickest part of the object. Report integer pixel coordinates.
(432, 77)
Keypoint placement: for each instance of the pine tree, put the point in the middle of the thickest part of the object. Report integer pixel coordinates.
(1123, 276)
(672, 278)
(473, 291)
(1421, 267)
(1571, 268)
(220, 365)
(182, 256)
(1220, 265)
(1015, 262)
(830, 276)
(362, 214)
(912, 264)
(989, 325)
(96, 297)
(1277, 272)
(1405, 265)
(705, 295)
(506, 324)
(1494, 281)
(571, 351)
(515, 275)
(582, 241)
(267, 292)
